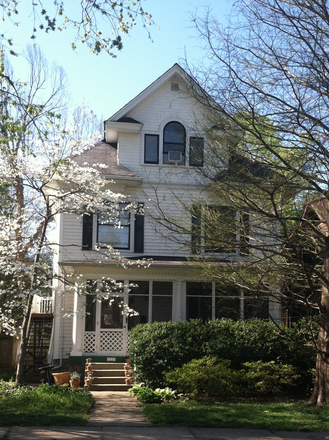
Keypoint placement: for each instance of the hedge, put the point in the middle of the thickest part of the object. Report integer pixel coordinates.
(160, 347)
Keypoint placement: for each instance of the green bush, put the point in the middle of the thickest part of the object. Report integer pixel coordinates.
(209, 377)
(160, 347)
(268, 378)
(205, 377)
(147, 395)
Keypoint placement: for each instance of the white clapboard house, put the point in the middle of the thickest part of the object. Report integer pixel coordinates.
(153, 149)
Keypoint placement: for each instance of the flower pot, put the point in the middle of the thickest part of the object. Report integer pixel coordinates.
(89, 368)
(129, 381)
(88, 382)
(61, 378)
(127, 361)
(126, 368)
(88, 360)
(75, 383)
(127, 373)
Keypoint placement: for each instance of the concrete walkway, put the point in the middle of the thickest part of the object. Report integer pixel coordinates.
(117, 416)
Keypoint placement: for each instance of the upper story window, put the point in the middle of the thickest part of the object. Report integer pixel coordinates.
(151, 148)
(196, 152)
(219, 229)
(114, 230)
(174, 143)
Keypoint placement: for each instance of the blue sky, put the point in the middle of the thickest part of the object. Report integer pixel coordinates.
(106, 84)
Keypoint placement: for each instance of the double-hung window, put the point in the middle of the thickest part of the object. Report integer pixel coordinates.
(114, 228)
(219, 229)
(196, 152)
(151, 148)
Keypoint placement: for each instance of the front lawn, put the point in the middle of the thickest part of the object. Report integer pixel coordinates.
(285, 416)
(43, 406)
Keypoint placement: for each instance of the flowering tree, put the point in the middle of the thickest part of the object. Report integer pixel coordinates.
(99, 25)
(42, 180)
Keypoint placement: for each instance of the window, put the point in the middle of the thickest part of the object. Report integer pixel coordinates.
(151, 148)
(208, 300)
(139, 301)
(174, 143)
(152, 300)
(198, 300)
(219, 229)
(90, 319)
(114, 229)
(196, 152)
(162, 301)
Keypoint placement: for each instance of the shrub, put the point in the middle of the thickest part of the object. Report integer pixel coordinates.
(205, 377)
(147, 395)
(160, 347)
(268, 378)
(209, 377)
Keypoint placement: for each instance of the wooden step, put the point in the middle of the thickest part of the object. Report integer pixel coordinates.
(108, 373)
(107, 366)
(109, 387)
(109, 380)
(108, 377)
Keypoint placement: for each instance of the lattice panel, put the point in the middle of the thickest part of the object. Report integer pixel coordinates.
(111, 341)
(89, 342)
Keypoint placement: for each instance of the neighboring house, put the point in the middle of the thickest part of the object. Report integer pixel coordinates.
(153, 149)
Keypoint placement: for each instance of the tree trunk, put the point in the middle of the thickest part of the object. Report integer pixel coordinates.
(24, 341)
(321, 386)
(25, 332)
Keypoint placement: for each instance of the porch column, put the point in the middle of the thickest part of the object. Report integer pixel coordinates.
(78, 325)
(178, 312)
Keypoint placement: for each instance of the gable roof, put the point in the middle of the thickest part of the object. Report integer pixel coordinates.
(103, 153)
(176, 69)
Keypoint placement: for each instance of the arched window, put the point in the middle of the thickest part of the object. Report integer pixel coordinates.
(174, 143)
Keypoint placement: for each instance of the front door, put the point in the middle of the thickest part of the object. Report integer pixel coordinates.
(108, 335)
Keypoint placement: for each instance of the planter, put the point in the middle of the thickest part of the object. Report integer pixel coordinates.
(126, 368)
(88, 382)
(129, 381)
(128, 373)
(89, 368)
(75, 383)
(127, 361)
(88, 360)
(61, 378)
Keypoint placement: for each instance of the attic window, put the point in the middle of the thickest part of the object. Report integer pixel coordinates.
(174, 87)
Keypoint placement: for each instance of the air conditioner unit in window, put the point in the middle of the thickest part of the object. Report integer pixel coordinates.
(174, 156)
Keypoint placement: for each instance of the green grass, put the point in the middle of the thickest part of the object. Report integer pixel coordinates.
(43, 406)
(289, 416)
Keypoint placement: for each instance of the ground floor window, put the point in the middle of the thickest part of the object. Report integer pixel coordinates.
(152, 300)
(206, 301)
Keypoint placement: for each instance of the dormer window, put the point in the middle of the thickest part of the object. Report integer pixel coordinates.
(174, 144)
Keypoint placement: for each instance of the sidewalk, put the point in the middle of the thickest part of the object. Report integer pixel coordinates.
(117, 416)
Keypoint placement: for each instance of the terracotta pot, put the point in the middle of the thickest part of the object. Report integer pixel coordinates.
(75, 383)
(61, 378)
(88, 360)
(127, 361)
(88, 382)
(129, 381)
(127, 373)
(89, 368)
(126, 368)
